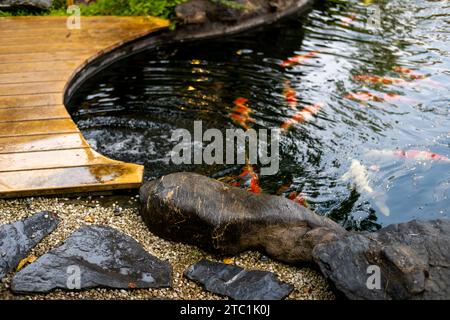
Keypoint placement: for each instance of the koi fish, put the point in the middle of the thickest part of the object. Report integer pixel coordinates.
(298, 59)
(363, 96)
(378, 80)
(250, 179)
(241, 113)
(347, 20)
(411, 154)
(359, 178)
(290, 96)
(306, 114)
(367, 96)
(409, 73)
(299, 198)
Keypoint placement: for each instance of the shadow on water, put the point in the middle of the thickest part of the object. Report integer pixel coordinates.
(130, 111)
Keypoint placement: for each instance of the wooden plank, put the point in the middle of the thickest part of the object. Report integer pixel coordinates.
(50, 159)
(14, 129)
(42, 143)
(70, 180)
(61, 66)
(33, 113)
(31, 77)
(44, 56)
(31, 100)
(11, 89)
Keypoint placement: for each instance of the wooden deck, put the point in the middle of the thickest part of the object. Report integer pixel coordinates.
(41, 149)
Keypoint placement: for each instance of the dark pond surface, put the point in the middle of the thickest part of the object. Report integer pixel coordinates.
(129, 111)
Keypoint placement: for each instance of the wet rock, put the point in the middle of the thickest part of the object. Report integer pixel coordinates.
(195, 209)
(18, 238)
(413, 259)
(238, 283)
(94, 256)
(40, 4)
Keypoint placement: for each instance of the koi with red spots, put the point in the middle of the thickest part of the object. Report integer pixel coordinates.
(307, 114)
(411, 154)
(298, 59)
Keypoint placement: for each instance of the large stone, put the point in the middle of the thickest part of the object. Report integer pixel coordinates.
(413, 259)
(94, 256)
(195, 209)
(238, 283)
(18, 238)
(40, 4)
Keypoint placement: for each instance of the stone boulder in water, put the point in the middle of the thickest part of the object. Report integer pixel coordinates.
(40, 4)
(195, 209)
(413, 261)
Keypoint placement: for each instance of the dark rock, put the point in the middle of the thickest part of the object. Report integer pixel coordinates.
(207, 18)
(102, 257)
(413, 258)
(238, 283)
(40, 4)
(195, 209)
(18, 238)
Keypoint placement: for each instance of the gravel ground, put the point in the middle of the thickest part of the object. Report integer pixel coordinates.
(121, 212)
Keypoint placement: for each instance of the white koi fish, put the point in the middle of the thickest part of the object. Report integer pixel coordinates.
(359, 177)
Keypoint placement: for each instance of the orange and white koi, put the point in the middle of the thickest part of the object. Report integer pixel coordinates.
(241, 113)
(307, 114)
(367, 96)
(372, 79)
(363, 96)
(410, 74)
(347, 20)
(250, 179)
(411, 154)
(298, 59)
(290, 95)
(299, 198)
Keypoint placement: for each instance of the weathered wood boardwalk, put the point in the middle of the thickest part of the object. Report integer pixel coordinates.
(41, 149)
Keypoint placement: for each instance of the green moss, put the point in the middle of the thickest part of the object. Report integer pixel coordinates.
(157, 8)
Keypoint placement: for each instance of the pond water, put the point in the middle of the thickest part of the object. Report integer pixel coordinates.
(380, 70)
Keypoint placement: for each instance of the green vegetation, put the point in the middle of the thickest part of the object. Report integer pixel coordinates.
(158, 8)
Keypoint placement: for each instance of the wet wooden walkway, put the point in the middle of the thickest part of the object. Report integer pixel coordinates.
(41, 149)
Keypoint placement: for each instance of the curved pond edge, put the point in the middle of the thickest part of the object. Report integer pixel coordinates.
(188, 33)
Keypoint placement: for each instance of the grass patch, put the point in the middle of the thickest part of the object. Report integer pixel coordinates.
(157, 8)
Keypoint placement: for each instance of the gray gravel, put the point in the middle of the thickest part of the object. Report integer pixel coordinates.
(122, 213)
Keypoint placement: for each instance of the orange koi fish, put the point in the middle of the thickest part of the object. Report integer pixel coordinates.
(299, 198)
(411, 154)
(378, 80)
(298, 59)
(304, 115)
(250, 179)
(241, 113)
(290, 95)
